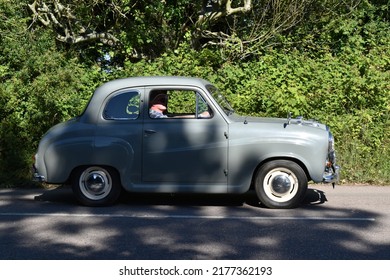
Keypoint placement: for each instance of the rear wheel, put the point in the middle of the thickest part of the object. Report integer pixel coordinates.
(96, 186)
(281, 184)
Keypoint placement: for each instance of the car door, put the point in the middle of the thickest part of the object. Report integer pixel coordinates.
(118, 134)
(187, 146)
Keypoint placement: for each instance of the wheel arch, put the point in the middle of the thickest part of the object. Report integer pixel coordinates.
(76, 169)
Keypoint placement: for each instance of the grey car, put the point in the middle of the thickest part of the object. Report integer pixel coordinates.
(180, 135)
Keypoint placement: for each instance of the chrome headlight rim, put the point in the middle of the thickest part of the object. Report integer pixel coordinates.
(331, 149)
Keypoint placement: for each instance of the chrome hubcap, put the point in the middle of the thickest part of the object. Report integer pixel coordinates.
(280, 184)
(95, 183)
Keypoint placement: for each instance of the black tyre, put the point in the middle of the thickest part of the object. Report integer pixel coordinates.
(96, 186)
(281, 184)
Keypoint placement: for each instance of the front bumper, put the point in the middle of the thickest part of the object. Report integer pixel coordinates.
(332, 174)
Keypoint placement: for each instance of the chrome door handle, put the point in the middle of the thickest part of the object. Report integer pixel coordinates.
(150, 131)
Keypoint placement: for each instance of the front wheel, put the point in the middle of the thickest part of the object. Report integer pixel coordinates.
(96, 186)
(281, 184)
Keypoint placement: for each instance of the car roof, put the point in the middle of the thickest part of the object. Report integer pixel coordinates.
(105, 89)
(151, 81)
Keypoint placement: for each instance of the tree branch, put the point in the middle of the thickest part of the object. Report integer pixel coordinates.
(264, 23)
(217, 9)
(68, 28)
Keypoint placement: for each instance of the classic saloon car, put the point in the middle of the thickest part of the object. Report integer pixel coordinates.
(178, 134)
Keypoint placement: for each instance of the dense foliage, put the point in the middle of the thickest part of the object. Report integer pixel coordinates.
(326, 60)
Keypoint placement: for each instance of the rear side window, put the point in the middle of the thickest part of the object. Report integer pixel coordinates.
(123, 106)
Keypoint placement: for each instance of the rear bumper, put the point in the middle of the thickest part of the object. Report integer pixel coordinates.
(36, 176)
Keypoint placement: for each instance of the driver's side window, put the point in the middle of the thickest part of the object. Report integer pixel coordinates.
(178, 104)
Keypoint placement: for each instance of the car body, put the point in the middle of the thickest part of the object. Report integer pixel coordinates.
(199, 145)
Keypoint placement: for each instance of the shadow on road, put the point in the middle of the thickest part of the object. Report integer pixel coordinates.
(141, 227)
(64, 195)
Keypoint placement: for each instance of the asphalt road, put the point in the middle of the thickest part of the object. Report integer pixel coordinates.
(345, 223)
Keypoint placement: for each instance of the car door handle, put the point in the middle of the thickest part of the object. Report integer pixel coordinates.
(150, 131)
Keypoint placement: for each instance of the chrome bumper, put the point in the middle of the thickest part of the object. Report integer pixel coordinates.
(36, 176)
(331, 174)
